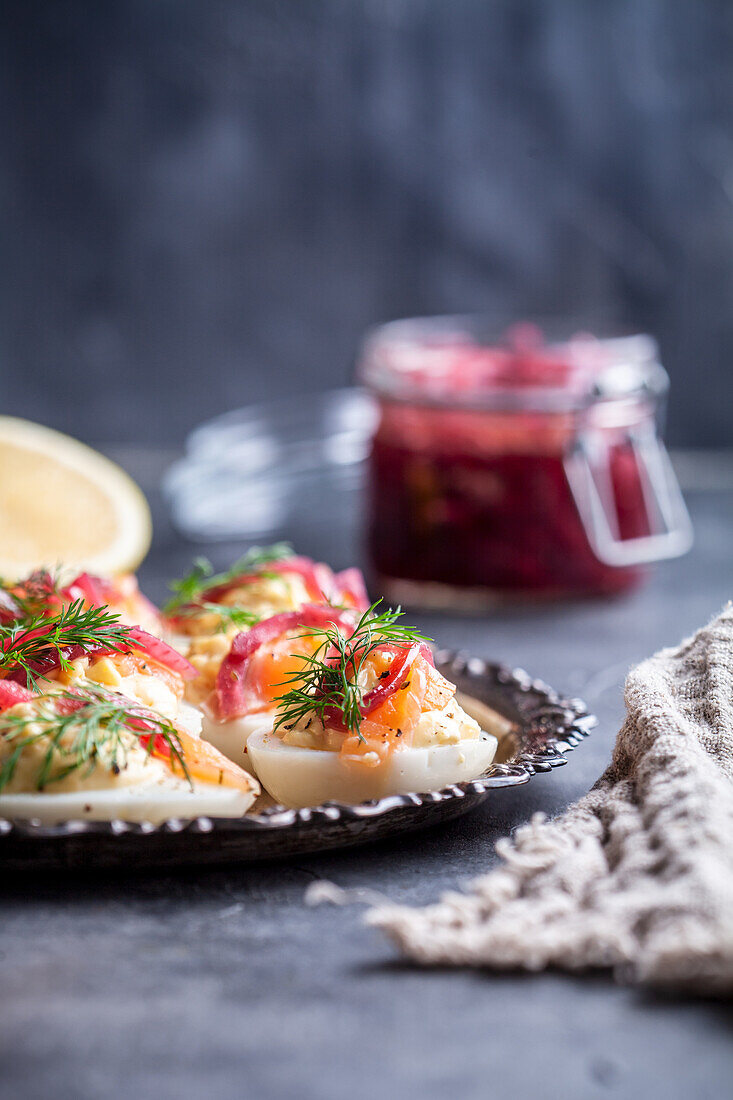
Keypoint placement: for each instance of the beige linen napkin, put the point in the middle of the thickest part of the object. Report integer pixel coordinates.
(638, 875)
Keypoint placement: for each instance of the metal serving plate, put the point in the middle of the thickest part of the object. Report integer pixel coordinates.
(540, 730)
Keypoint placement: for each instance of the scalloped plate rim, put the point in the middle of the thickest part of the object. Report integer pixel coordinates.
(569, 720)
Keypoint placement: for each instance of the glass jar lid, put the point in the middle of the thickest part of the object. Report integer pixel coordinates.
(460, 362)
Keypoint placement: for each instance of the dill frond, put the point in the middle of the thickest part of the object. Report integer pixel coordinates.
(24, 646)
(85, 736)
(329, 678)
(191, 589)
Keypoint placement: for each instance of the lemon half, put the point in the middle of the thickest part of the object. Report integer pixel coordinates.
(62, 502)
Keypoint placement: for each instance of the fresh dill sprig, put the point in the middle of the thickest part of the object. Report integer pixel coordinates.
(202, 578)
(329, 678)
(25, 645)
(85, 736)
(227, 614)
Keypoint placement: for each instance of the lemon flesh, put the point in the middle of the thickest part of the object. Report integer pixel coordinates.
(62, 502)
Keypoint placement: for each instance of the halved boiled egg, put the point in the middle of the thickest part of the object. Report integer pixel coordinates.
(136, 677)
(333, 707)
(45, 592)
(364, 718)
(155, 800)
(296, 776)
(232, 737)
(264, 583)
(90, 754)
(238, 696)
(418, 740)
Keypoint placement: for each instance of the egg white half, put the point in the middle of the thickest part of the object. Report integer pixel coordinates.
(232, 738)
(189, 719)
(298, 777)
(154, 801)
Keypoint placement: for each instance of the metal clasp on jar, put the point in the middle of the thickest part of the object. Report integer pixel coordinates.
(587, 468)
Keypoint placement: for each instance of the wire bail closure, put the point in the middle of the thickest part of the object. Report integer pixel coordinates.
(589, 478)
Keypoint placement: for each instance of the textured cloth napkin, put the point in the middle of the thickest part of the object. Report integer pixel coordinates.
(638, 875)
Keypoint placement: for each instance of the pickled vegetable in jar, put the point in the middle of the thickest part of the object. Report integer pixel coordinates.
(515, 468)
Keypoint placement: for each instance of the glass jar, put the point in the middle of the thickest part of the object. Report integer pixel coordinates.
(517, 468)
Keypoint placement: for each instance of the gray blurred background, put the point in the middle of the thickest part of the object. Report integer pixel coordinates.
(204, 202)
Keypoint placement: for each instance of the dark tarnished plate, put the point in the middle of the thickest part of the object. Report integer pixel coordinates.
(543, 728)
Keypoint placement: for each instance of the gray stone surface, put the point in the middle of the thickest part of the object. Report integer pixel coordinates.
(222, 983)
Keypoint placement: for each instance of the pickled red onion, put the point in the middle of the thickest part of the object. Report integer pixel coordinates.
(12, 693)
(230, 688)
(386, 687)
(160, 651)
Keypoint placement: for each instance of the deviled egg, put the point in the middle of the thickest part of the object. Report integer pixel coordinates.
(137, 675)
(237, 695)
(372, 717)
(92, 754)
(267, 581)
(51, 645)
(213, 618)
(45, 592)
